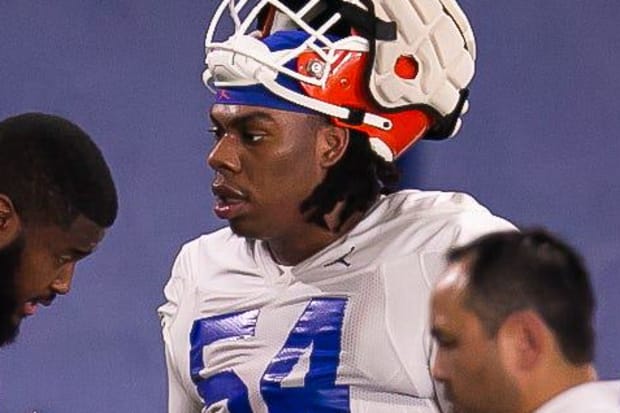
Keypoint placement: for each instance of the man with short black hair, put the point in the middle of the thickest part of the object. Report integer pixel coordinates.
(513, 323)
(57, 197)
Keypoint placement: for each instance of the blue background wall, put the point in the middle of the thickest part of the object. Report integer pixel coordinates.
(540, 146)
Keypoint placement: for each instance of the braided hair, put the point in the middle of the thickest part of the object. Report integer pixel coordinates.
(358, 178)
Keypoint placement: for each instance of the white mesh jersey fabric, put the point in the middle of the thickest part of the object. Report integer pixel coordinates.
(382, 271)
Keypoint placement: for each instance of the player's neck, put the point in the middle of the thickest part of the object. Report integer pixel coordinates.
(311, 238)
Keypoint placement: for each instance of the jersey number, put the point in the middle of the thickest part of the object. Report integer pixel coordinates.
(316, 337)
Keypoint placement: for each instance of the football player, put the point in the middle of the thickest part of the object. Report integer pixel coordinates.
(57, 198)
(513, 321)
(315, 297)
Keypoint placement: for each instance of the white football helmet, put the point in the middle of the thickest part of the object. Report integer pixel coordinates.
(397, 70)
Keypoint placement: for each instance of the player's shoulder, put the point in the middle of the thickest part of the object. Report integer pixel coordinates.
(222, 238)
(428, 207)
(413, 229)
(433, 220)
(217, 249)
(417, 203)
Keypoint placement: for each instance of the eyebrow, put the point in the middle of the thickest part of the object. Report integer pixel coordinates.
(80, 253)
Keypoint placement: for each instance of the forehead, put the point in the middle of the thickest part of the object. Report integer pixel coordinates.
(83, 235)
(449, 296)
(85, 232)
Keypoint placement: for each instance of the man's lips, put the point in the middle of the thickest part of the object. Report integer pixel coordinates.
(230, 202)
(30, 307)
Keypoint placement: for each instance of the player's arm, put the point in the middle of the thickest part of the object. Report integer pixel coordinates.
(179, 399)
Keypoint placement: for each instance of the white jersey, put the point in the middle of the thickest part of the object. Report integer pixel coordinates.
(592, 397)
(346, 330)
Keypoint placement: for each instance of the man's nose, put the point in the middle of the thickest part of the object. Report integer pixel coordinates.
(437, 367)
(225, 154)
(62, 284)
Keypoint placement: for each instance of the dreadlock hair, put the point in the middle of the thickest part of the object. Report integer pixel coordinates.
(52, 172)
(357, 179)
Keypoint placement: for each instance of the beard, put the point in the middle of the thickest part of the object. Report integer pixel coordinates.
(9, 263)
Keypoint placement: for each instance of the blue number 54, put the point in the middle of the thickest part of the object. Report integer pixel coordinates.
(318, 331)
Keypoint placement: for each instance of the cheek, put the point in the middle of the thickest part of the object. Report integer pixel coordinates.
(290, 177)
(453, 362)
(466, 365)
(483, 366)
(34, 276)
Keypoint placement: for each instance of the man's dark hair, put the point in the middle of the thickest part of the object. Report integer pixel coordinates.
(52, 172)
(513, 271)
(357, 179)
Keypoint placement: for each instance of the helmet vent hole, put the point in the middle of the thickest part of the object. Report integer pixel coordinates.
(406, 67)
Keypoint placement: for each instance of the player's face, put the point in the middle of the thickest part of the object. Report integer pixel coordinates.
(266, 163)
(468, 361)
(46, 263)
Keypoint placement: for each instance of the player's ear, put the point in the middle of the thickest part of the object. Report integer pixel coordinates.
(332, 143)
(10, 224)
(524, 338)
